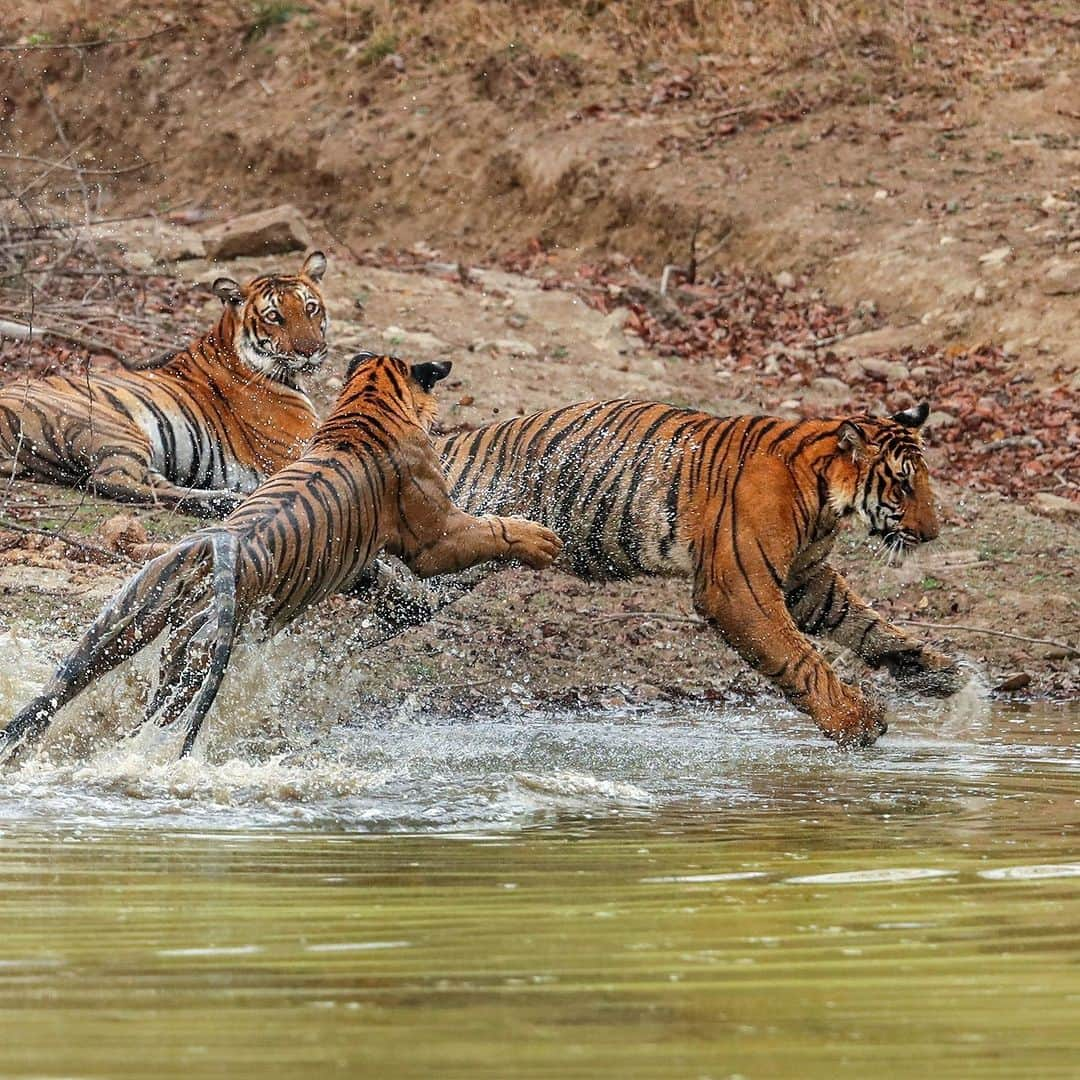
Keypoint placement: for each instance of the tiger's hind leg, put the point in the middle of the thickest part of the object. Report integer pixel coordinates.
(198, 649)
(131, 622)
(70, 439)
(824, 603)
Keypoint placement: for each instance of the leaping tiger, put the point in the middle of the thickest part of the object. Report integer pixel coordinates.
(199, 429)
(369, 482)
(747, 507)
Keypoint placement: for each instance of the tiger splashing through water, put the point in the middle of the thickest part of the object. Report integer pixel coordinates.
(747, 507)
(369, 482)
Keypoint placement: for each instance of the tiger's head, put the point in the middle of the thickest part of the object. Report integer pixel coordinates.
(277, 323)
(886, 482)
(370, 374)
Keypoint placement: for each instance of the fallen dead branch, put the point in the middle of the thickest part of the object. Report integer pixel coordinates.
(1070, 649)
(64, 538)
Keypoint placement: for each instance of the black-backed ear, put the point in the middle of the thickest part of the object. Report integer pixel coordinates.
(852, 438)
(427, 375)
(913, 418)
(356, 361)
(314, 266)
(228, 291)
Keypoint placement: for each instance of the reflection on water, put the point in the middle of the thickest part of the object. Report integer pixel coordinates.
(651, 894)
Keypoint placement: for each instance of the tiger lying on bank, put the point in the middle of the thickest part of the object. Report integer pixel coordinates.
(748, 507)
(369, 482)
(199, 428)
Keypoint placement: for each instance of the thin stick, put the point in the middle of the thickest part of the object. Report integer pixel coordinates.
(987, 630)
(119, 171)
(662, 616)
(92, 344)
(91, 549)
(90, 44)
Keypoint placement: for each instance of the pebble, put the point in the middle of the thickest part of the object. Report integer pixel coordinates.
(784, 280)
(1061, 277)
(1014, 682)
(1054, 506)
(996, 257)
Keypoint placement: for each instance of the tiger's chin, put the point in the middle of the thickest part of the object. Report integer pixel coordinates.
(281, 367)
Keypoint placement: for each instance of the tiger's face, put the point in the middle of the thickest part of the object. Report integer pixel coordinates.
(412, 383)
(891, 485)
(278, 322)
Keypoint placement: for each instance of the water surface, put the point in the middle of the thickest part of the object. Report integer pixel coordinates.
(638, 894)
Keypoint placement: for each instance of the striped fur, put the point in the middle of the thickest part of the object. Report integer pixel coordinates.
(198, 428)
(369, 482)
(747, 507)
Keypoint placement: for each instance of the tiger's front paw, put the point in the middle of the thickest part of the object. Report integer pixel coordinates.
(857, 721)
(531, 543)
(927, 672)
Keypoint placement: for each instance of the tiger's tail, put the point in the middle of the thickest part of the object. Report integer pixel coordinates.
(133, 620)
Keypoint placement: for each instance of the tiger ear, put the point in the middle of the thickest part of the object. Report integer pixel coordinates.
(359, 359)
(228, 291)
(427, 375)
(913, 418)
(314, 266)
(850, 437)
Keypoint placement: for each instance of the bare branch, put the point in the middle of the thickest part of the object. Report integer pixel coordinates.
(40, 46)
(119, 171)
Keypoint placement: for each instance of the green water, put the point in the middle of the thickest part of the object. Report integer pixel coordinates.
(706, 899)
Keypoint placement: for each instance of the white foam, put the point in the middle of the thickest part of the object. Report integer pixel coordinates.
(739, 875)
(885, 876)
(1032, 873)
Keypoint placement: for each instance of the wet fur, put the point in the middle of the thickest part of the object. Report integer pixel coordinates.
(369, 482)
(747, 507)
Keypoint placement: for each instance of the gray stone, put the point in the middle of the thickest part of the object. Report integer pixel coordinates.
(1061, 277)
(411, 342)
(890, 370)
(510, 346)
(997, 257)
(830, 391)
(146, 241)
(1055, 506)
(265, 232)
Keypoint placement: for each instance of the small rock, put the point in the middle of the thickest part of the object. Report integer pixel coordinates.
(147, 241)
(265, 232)
(784, 280)
(939, 418)
(1053, 205)
(1061, 277)
(140, 260)
(890, 370)
(510, 346)
(1014, 682)
(1055, 506)
(414, 341)
(829, 390)
(979, 294)
(122, 532)
(394, 62)
(997, 257)
(881, 194)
